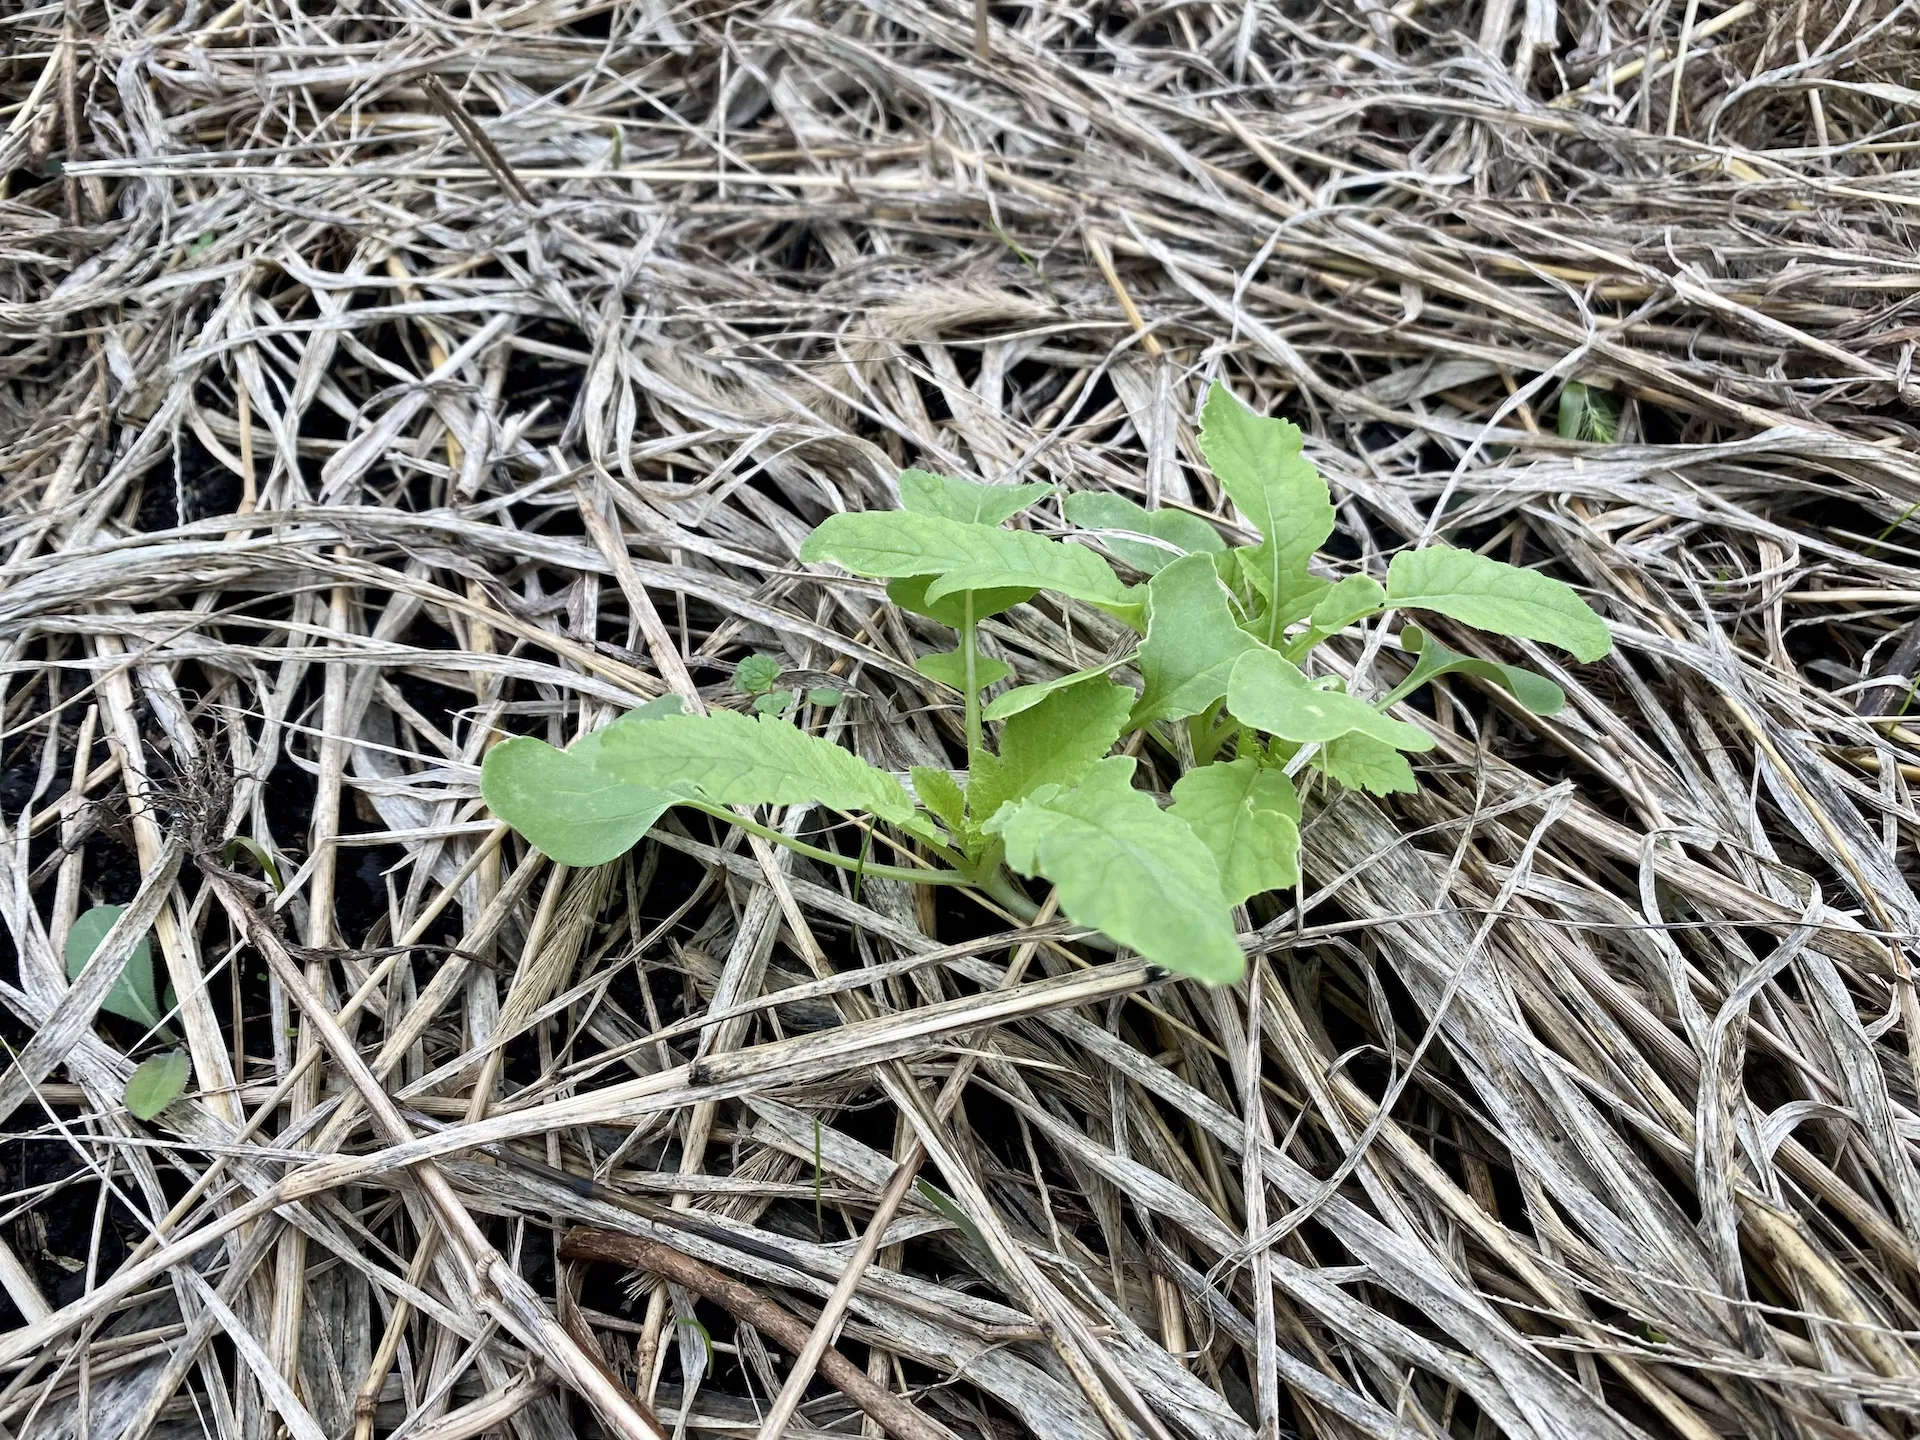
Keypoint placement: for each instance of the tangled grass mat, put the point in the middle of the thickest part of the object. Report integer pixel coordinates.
(383, 378)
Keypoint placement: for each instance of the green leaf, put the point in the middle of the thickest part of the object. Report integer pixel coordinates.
(1272, 694)
(1489, 595)
(587, 747)
(262, 857)
(825, 696)
(1025, 697)
(1248, 815)
(951, 669)
(941, 794)
(923, 826)
(692, 1322)
(924, 493)
(1362, 763)
(1192, 642)
(132, 996)
(1056, 741)
(1585, 413)
(949, 1209)
(1297, 600)
(775, 702)
(1126, 867)
(961, 556)
(1260, 463)
(566, 806)
(910, 593)
(1353, 598)
(1536, 692)
(727, 759)
(656, 708)
(1337, 607)
(157, 1082)
(755, 674)
(1178, 532)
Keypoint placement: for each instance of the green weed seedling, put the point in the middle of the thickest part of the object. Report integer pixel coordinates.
(135, 995)
(157, 1081)
(1227, 637)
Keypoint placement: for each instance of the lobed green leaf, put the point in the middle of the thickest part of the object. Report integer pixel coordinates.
(1056, 742)
(1489, 595)
(1248, 815)
(756, 674)
(1260, 462)
(924, 493)
(587, 747)
(728, 759)
(1127, 868)
(1272, 694)
(1192, 642)
(1361, 762)
(961, 556)
(1170, 533)
(941, 794)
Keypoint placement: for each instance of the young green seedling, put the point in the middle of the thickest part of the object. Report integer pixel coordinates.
(134, 995)
(157, 1081)
(1227, 637)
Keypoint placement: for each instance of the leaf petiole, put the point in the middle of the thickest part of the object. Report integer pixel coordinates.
(970, 651)
(828, 857)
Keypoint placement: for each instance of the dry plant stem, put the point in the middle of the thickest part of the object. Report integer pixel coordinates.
(495, 1409)
(428, 1245)
(274, 1099)
(290, 1260)
(496, 1286)
(807, 1356)
(211, 1067)
(1253, 1108)
(638, 1253)
(366, 1402)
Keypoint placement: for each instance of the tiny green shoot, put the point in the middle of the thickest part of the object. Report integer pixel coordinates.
(134, 995)
(756, 674)
(157, 1082)
(1587, 414)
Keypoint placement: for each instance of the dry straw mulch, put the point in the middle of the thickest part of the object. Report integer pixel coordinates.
(382, 378)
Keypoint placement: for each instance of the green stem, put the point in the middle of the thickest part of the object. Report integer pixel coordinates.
(1273, 611)
(1004, 893)
(1000, 888)
(1217, 736)
(970, 652)
(828, 857)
